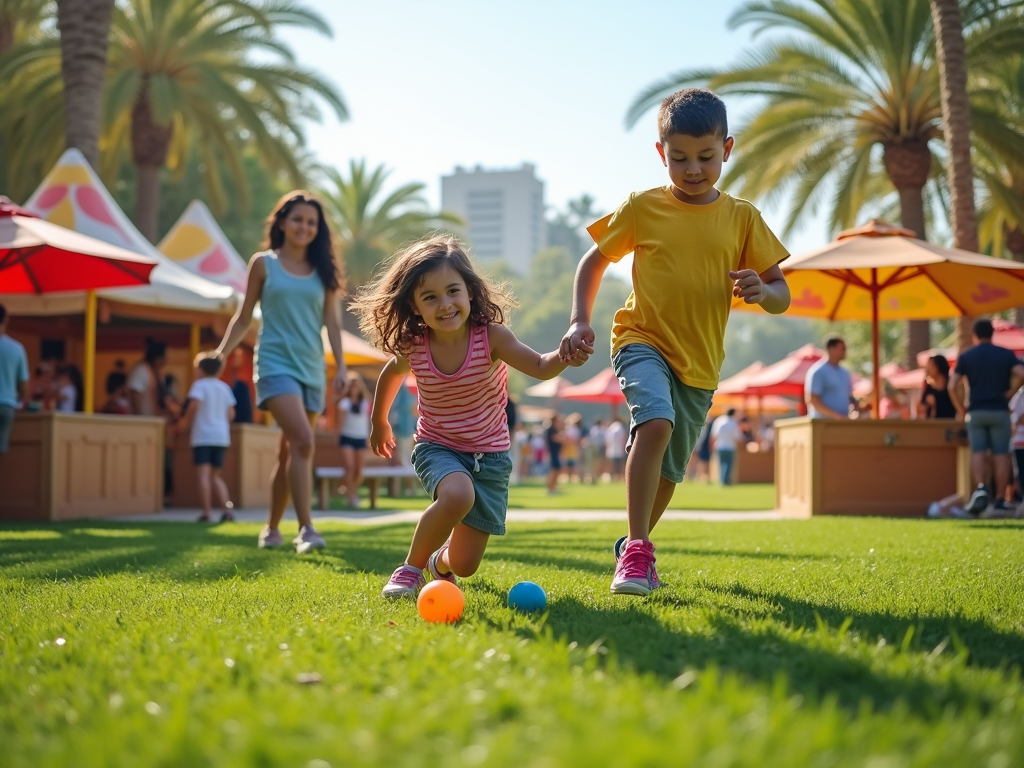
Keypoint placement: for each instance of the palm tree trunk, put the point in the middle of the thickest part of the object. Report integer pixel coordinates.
(6, 34)
(147, 201)
(908, 164)
(84, 31)
(956, 119)
(150, 145)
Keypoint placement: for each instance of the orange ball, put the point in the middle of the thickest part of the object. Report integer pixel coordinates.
(440, 602)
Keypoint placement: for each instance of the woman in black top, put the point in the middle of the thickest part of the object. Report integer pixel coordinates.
(935, 401)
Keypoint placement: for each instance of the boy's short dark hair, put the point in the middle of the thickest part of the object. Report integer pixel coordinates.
(210, 366)
(694, 112)
(983, 329)
(833, 342)
(3, 314)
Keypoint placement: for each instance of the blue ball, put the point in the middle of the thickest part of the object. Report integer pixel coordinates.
(528, 597)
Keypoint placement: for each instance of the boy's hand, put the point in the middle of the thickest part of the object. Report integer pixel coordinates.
(577, 345)
(747, 285)
(382, 442)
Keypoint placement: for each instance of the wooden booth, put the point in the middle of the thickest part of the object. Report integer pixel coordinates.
(868, 467)
(62, 466)
(248, 465)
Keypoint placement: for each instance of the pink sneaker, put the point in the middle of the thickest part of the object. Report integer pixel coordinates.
(432, 565)
(617, 549)
(633, 569)
(406, 581)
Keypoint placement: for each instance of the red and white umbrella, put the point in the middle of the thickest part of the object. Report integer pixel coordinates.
(39, 257)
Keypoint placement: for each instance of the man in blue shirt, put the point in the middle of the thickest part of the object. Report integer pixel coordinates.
(828, 388)
(993, 375)
(13, 380)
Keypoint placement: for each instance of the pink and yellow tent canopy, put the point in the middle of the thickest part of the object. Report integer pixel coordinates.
(197, 243)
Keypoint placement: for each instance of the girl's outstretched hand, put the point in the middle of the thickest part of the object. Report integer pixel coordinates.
(382, 442)
(340, 380)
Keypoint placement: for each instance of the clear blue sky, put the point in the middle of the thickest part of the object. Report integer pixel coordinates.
(432, 84)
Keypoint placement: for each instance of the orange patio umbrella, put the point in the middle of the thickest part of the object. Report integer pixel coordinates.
(880, 272)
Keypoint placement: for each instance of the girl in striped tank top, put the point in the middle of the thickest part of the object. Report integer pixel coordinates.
(444, 323)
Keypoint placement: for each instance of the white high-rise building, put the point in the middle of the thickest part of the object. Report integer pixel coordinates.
(503, 211)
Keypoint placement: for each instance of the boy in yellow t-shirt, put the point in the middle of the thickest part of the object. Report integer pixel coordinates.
(694, 249)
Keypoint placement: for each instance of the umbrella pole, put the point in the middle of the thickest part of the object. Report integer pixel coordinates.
(90, 352)
(194, 336)
(876, 395)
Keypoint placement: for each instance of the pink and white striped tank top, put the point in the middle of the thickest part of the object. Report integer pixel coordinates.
(466, 410)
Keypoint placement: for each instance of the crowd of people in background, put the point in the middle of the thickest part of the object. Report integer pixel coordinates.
(565, 449)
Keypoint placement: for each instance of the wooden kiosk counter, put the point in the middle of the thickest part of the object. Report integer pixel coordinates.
(62, 466)
(868, 467)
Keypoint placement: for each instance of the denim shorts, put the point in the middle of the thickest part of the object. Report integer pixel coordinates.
(488, 471)
(283, 384)
(653, 391)
(209, 454)
(989, 431)
(356, 443)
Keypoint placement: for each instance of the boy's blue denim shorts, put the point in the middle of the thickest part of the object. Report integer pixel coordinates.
(283, 384)
(653, 391)
(488, 471)
(989, 431)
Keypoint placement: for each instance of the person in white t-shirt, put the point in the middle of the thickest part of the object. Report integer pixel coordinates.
(354, 430)
(726, 435)
(1017, 422)
(615, 438)
(210, 411)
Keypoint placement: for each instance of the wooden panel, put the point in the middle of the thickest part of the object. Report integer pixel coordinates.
(756, 467)
(106, 465)
(898, 481)
(258, 455)
(794, 462)
(892, 433)
(24, 473)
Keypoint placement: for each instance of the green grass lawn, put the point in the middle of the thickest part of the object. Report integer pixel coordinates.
(533, 495)
(830, 642)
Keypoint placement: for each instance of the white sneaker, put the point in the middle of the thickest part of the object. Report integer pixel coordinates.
(308, 540)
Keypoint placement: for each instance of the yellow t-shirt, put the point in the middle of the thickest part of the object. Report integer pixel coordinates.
(682, 255)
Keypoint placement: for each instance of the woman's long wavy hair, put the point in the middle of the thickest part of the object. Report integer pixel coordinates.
(320, 252)
(386, 306)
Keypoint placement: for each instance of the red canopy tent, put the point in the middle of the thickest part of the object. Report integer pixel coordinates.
(603, 388)
(737, 384)
(786, 377)
(39, 257)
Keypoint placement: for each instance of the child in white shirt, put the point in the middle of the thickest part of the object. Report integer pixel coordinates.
(210, 411)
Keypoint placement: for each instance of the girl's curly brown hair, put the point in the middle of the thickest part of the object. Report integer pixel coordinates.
(386, 305)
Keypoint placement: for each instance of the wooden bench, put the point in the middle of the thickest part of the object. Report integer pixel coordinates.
(371, 475)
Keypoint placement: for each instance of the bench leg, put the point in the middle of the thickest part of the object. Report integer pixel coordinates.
(325, 492)
(374, 488)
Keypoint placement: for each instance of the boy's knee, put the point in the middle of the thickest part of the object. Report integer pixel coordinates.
(655, 430)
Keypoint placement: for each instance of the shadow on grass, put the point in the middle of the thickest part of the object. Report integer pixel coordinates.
(187, 553)
(640, 642)
(988, 647)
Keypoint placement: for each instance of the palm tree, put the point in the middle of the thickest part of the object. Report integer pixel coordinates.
(956, 123)
(851, 104)
(370, 224)
(84, 32)
(183, 74)
(184, 69)
(20, 18)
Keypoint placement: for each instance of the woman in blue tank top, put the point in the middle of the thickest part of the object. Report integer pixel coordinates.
(296, 281)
